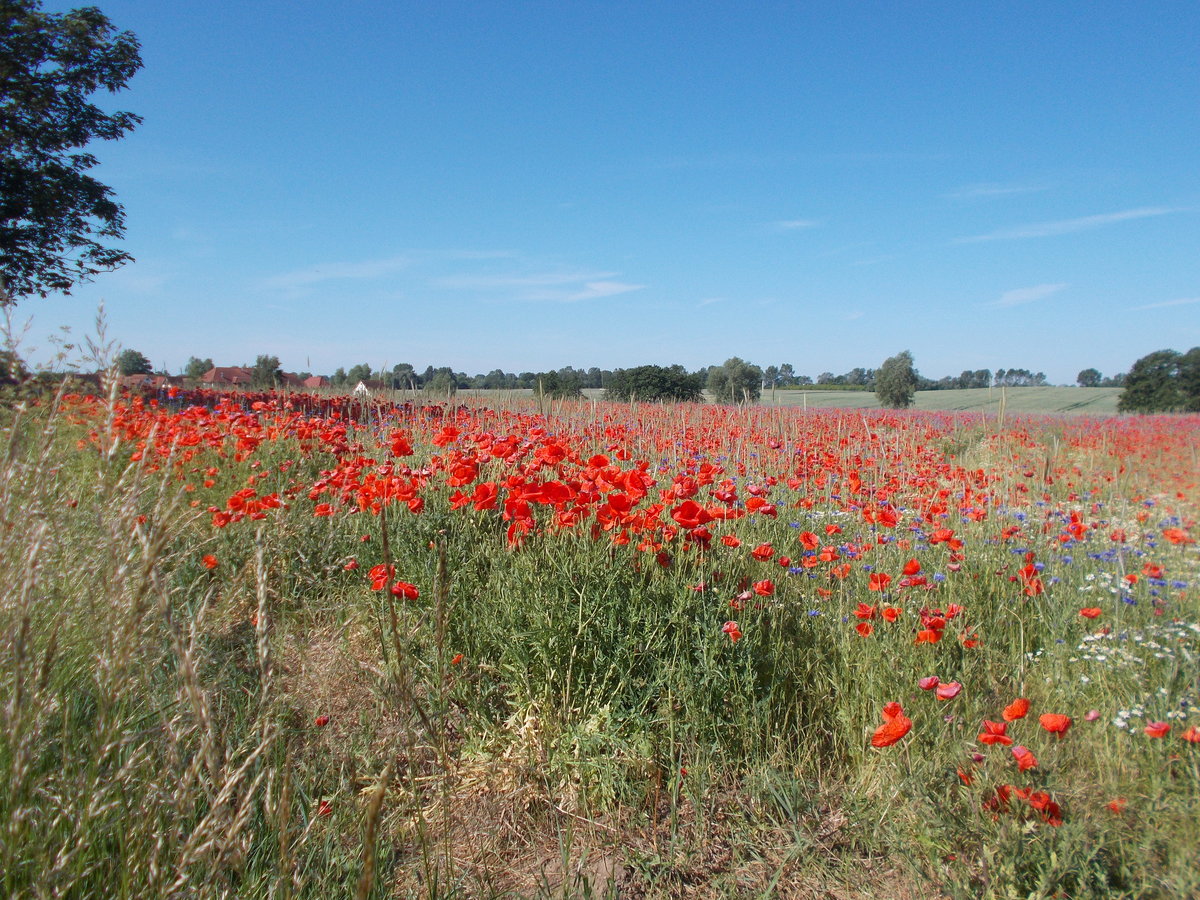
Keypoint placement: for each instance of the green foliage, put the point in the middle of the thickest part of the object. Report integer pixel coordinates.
(560, 385)
(196, 368)
(442, 384)
(655, 383)
(12, 368)
(1089, 378)
(736, 381)
(1163, 381)
(896, 381)
(265, 372)
(360, 372)
(52, 213)
(131, 362)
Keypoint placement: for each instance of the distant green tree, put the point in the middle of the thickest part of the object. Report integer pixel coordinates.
(896, 381)
(1189, 379)
(131, 362)
(338, 378)
(655, 383)
(1163, 381)
(360, 372)
(1089, 378)
(265, 373)
(195, 368)
(735, 381)
(403, 377)
(442, 383)
(559, 384)
(1152, 384)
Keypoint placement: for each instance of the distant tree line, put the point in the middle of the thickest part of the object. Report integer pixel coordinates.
(732, 376)
(1162, 381)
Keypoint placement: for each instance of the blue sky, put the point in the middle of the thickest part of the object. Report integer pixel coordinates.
(531, 185)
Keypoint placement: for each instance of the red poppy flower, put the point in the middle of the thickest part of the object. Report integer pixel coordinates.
(1192, 735)
(1025, 758)
(210, 561)
(948, 691)
(380, 575)
(1090, 612)
(1157, 729)
(890, 613)
(1177, 536)
(764, 588)
(763, 552)
(878, 581)
(912, 567)
(864, 611)
(731, 629)
(994, 733)
(928, 683)
(321, 721)
(895, 726)
(1016, 710)
(1055, 723)
(405, 590)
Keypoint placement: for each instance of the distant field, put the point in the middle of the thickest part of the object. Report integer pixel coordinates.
(1095, 401)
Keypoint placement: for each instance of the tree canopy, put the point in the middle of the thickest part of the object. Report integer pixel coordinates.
(896, 381)
(196, 367)
(655, 383)
(1163, 381)
(266, 372)
(131, 362)
(53, 215)
(736, 381)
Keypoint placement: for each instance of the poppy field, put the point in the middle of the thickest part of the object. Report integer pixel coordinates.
(282, 645)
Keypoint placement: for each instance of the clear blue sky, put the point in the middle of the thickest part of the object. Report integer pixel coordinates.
(531, 185)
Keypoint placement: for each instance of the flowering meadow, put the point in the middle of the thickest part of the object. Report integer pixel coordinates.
(277, 645)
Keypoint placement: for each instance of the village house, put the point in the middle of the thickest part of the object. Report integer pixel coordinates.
(227, 376)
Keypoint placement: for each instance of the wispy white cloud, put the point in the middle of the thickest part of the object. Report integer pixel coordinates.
(1021, 296)
(593, 290)
(794, 224)
(1067, 226)
(340, 271)
(851, 316)
(987, 190)
(1182, 301)
(708, 301)
(552, 286)
(537, 279)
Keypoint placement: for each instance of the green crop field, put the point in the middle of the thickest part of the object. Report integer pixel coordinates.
(1016, 400)
(1095, 401)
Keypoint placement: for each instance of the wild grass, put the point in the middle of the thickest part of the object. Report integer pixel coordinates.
(566, 716)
